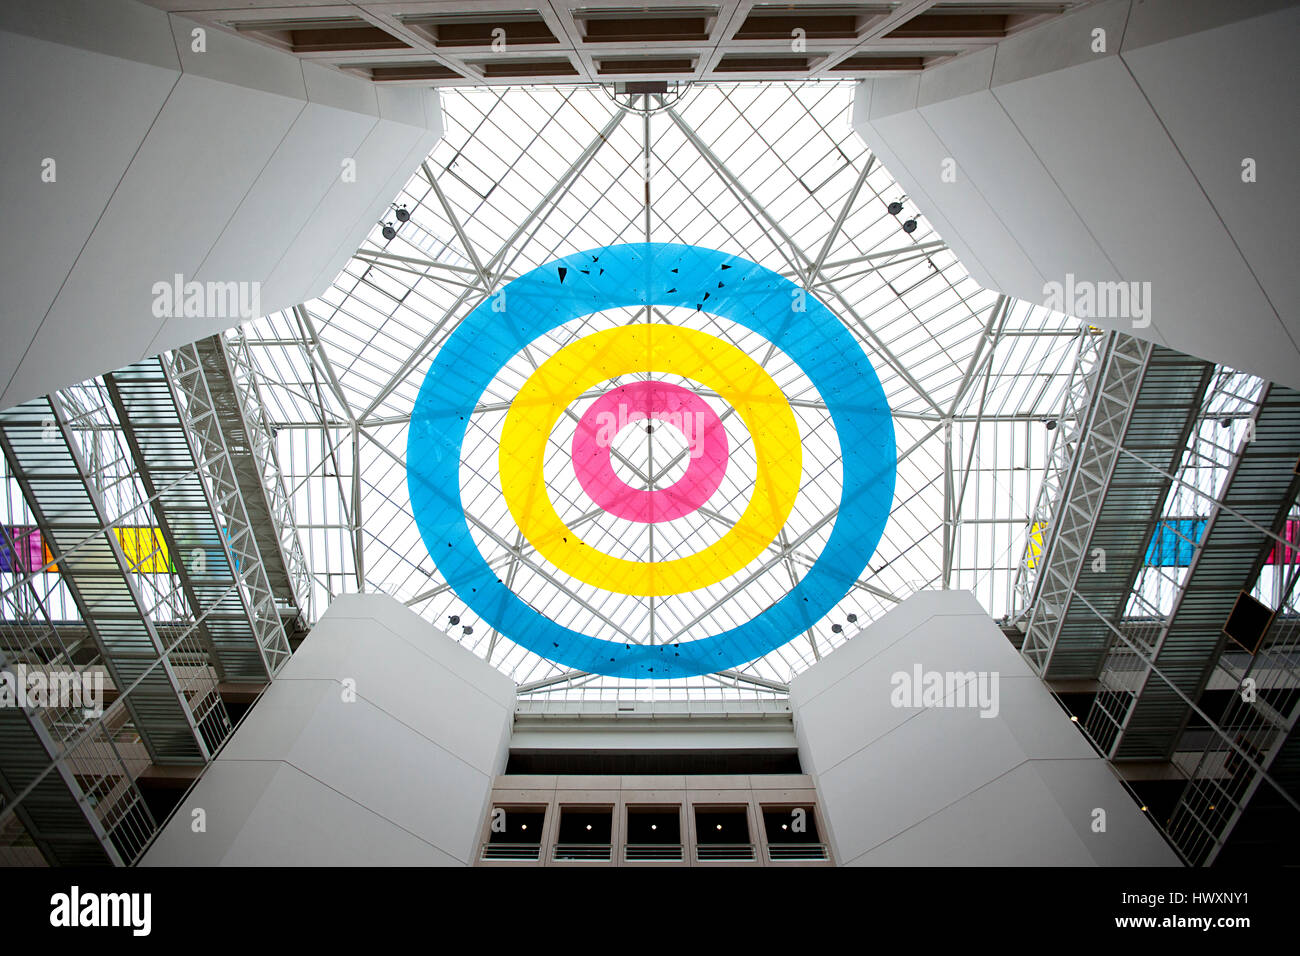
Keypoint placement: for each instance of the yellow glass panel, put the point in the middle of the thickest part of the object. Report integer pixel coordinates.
(1035, 542)
(145, 550)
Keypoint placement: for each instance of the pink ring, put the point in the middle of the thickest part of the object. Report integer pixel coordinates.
(678, 406)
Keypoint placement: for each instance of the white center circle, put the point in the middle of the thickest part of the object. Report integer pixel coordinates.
(650, 448)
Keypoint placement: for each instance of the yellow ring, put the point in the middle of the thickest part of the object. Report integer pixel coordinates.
(662, 349)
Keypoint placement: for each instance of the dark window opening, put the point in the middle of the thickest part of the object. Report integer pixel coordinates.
(721, 825)
(654, 825)
(790, 825)
(586, 825)
(522, 825)
(653, 762)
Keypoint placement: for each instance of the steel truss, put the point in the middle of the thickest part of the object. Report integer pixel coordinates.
(1156, 651)
(341, 371)
(243, 413)
(226, 503)
(150, 551)
(1066, 546)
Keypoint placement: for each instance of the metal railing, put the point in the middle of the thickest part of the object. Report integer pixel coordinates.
(787, 852)
(1259, 717)
(724, 852)
(263, 444)
(1071, 426)
(652, 852)
(496, 852)
(207, 446)
(583, 852)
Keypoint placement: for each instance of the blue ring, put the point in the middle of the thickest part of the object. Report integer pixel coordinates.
(664, 274)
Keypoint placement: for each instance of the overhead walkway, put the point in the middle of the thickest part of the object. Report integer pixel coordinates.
(1146, 401)
(1259, 492)
(250, 442)
(150, 541)
(70, 794)
(167, 420)
(1251, 776)
(179, 720)
(54, 817)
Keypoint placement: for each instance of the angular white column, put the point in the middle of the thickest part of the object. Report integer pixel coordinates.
(944, 785)
(1122, 165)
(224, 165)
(401, 775)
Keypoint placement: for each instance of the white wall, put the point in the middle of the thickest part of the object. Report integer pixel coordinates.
(400, 776)
(223, 165)
(1123, 165)
(942, 785)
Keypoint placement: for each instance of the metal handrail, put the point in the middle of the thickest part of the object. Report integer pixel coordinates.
(780, 852)
(492, 852)
(711, 852)
(652, 852)
(594, 852)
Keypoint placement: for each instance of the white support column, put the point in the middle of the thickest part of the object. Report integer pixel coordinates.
(377, 744)
(997, 778)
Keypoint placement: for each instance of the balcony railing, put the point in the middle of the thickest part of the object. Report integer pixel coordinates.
(719, 852)
(582, 852)
(785, 852)
(511, 851)
(653, 852)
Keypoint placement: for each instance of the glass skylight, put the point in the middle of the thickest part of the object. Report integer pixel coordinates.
(770, 172)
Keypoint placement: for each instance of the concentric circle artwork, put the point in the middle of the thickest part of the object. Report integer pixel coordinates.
(651, 349)
(656, 459)
(650, 401)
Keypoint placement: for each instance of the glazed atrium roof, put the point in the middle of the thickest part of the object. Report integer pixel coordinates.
(772, 173)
